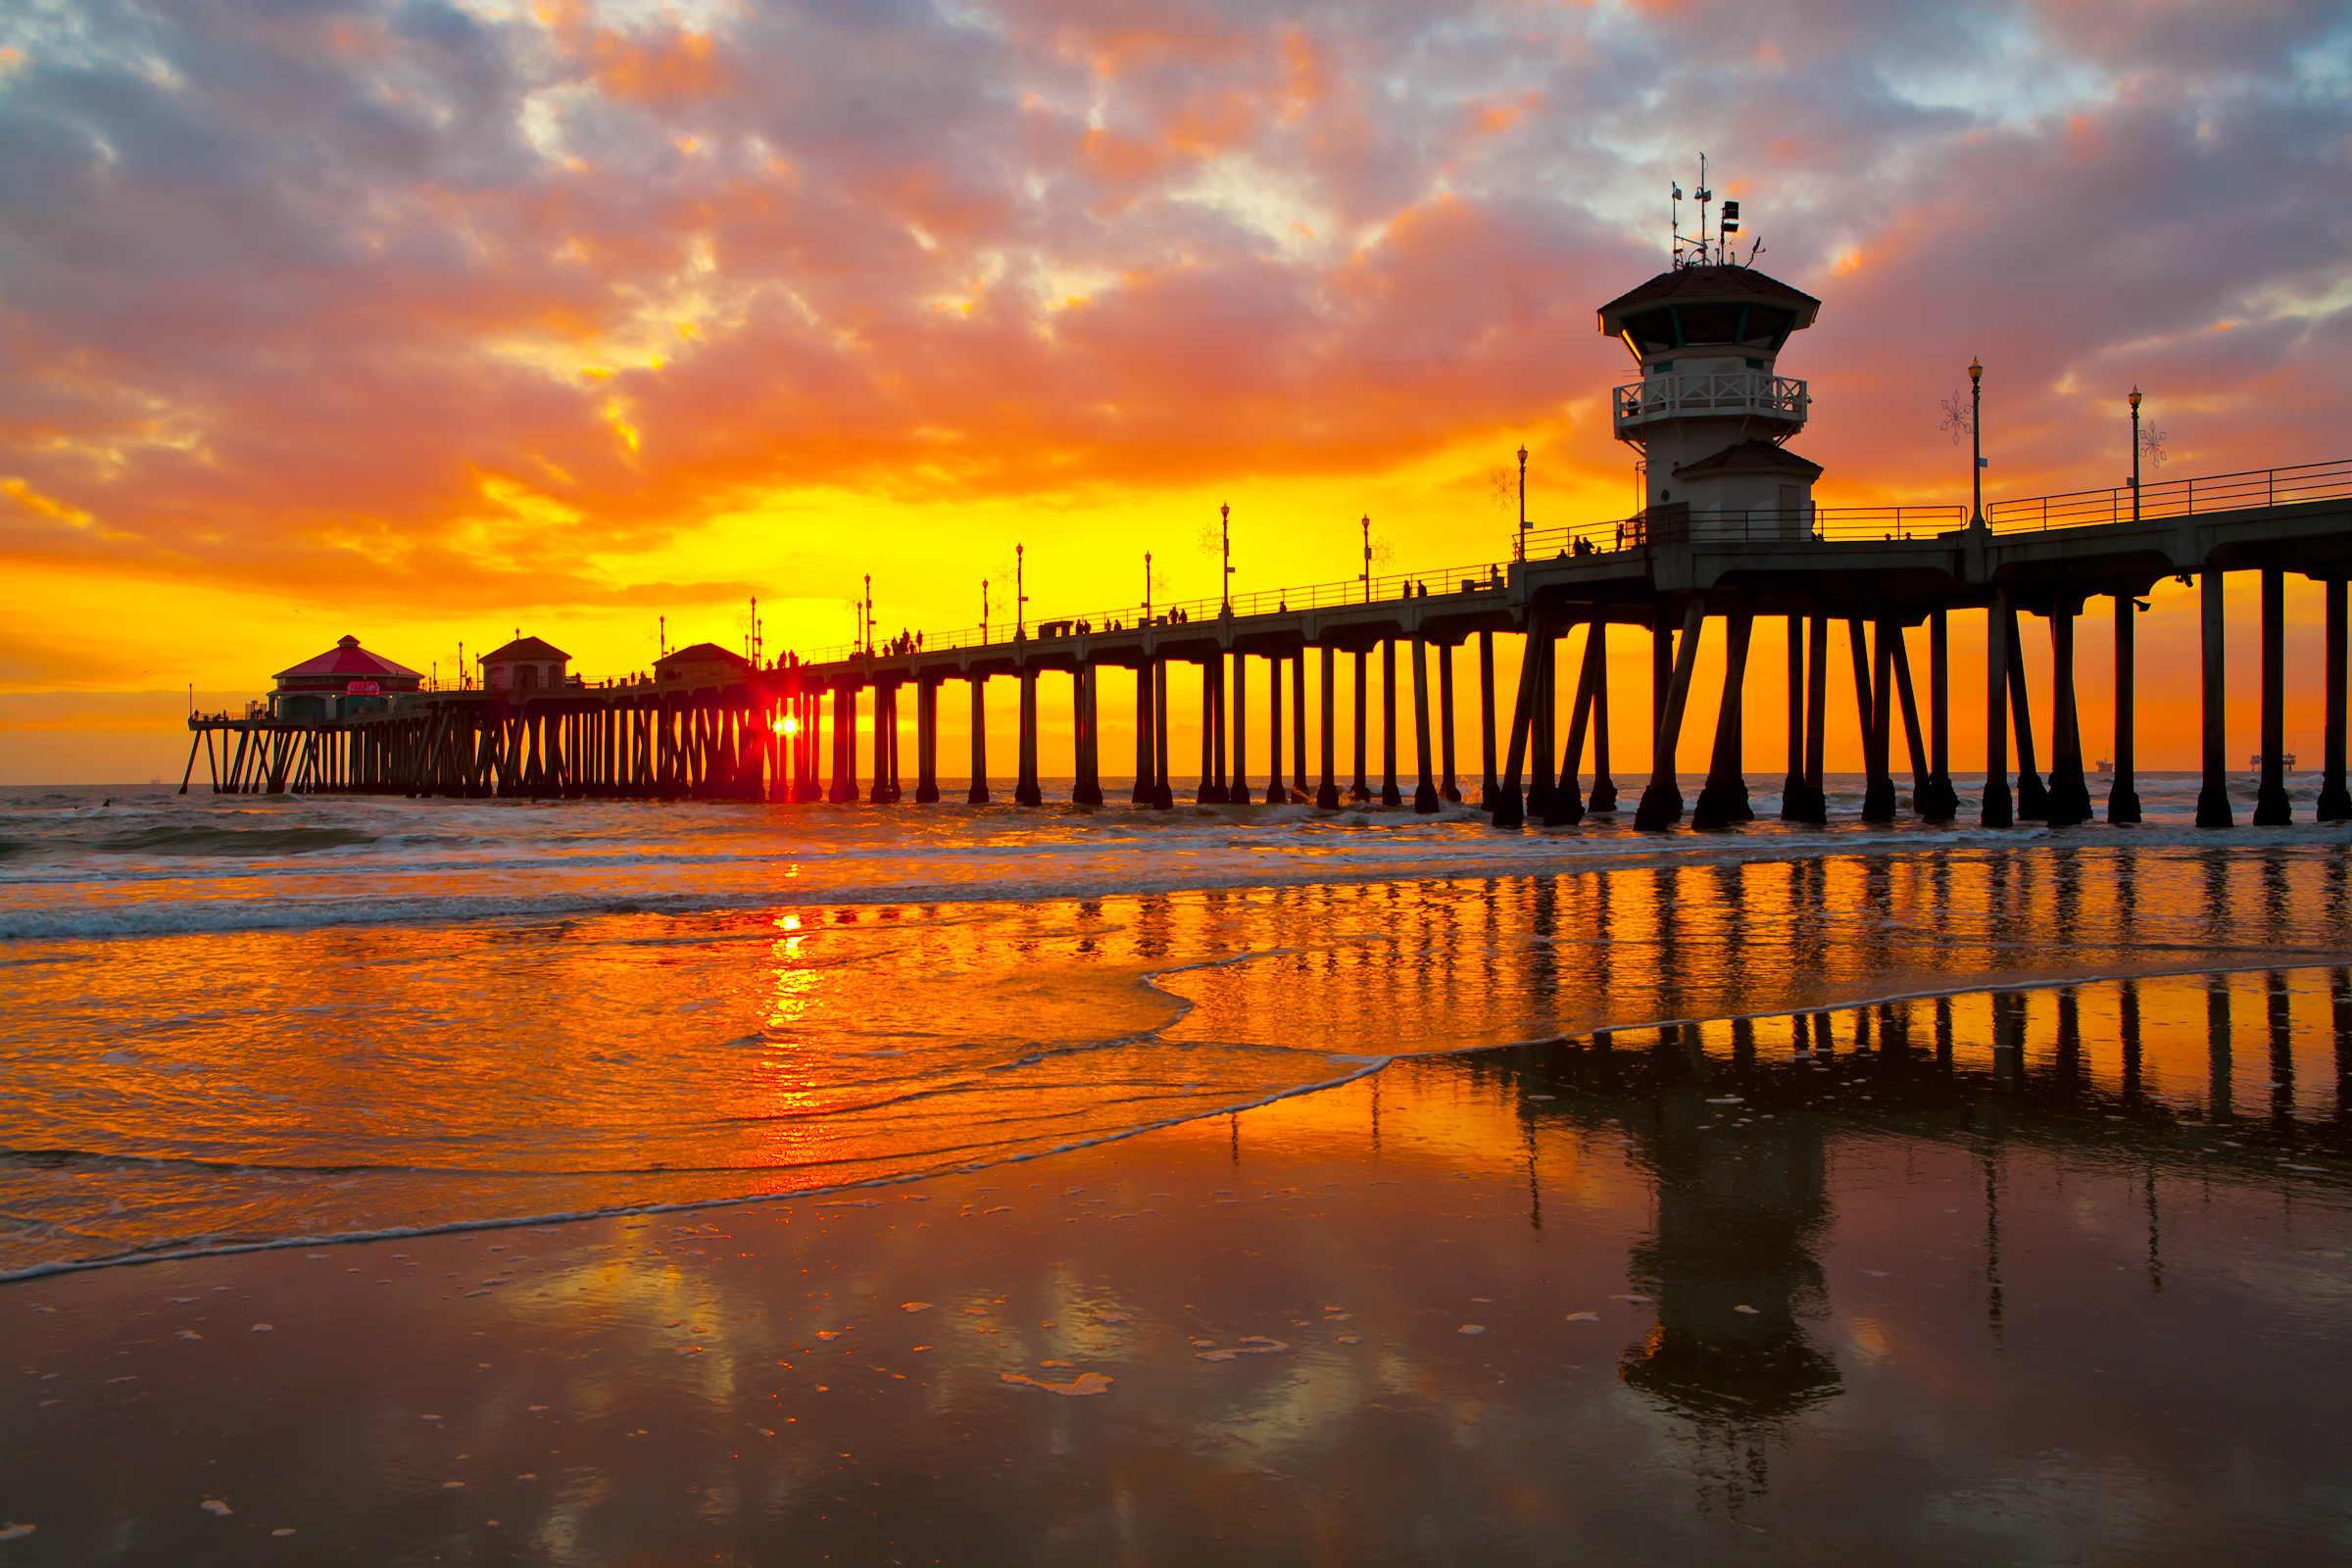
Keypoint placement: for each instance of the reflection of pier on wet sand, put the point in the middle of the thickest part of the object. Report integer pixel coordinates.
(1971, 1288)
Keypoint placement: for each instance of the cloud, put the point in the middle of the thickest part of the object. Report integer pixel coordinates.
(489, 303)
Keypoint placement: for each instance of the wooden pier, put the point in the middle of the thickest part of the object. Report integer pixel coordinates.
(789, 735)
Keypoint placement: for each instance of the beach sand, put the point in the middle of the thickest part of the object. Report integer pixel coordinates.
(1667, 1297)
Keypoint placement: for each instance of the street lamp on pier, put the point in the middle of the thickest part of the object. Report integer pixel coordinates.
(1020, 592)
(1225, 554)
(1520, 551)
(1976, 441)
(2135, 401)
(1366, 574)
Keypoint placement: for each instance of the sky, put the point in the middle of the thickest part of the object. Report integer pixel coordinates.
(432, 322)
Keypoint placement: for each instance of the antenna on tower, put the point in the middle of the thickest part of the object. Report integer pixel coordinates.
(1709, 249)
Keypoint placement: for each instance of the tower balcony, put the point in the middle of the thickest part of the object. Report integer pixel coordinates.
(1711, 395)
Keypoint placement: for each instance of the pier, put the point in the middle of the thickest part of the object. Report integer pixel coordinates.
(1269, 660)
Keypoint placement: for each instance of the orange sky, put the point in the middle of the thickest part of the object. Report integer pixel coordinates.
(428, 322)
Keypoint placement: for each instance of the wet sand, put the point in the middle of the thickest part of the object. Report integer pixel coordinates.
(1670, 1296)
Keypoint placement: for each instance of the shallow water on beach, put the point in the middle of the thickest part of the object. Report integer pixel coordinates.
(243, 1022)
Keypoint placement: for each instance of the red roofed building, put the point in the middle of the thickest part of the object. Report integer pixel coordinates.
(343, 682)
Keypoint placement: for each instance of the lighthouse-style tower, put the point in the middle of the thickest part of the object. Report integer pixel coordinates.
(1710, 415)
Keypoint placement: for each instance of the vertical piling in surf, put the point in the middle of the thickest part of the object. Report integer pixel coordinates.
(1389, 795)
(845, 745)
(1945, 803)
(1541, 756)
(1024, 790)
(1425, 793)
(1873, 679)
(2070, 795)
(1486, 720)
(1298, 720)
(1924, 800)
(886, 714)
(1277, 792)
(2335, 801)
(978, 792)
(2270, 796)
(1567, 796)
(1449, 788)
(1327, 793)
(2032, 798)
(926, 742)
(1662, 801)
(1724, 799)
(1793, 784)
(1209, 789)
(2123, 794)
(1237, 783)
(1361, 791)
(1164, 795)
(1087, 790)
(1604, 788)
(1509, 811)
(2213, 795)
(1143, 794)
(1995, 811)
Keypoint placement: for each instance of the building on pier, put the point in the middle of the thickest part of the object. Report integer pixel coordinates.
(525, 665)
(1710, 413)
(702, 664)
(347, 681)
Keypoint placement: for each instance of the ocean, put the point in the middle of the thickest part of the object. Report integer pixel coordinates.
(240, 1022)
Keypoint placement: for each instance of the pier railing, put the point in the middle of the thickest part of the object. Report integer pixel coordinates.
(2177, 498)
(1486, 576)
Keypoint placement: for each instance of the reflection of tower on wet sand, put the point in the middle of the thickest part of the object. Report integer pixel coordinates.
(1730, 1263)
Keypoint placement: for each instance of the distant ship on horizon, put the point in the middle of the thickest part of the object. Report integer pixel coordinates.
(2254, 762)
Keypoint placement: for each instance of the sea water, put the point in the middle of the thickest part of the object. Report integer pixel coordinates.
(237, 1021)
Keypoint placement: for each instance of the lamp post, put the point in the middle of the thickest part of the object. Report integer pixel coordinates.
(1976, 442)
(1147, 587)
(1020, 592)
(868, 629)
(1519, 548)
(1365, 575)
(984, 611)
(2135, 401)
(1225, 554)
